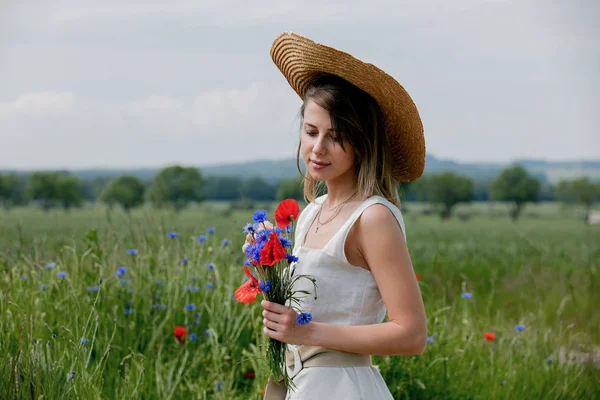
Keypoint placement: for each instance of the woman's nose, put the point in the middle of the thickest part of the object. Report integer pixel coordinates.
(319, 146)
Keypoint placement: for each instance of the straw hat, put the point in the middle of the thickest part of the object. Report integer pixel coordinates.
(301, 60)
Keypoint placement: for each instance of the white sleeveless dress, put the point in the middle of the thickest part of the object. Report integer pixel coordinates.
(346, 295)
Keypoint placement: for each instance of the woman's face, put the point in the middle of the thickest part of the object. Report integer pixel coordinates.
(323, 155)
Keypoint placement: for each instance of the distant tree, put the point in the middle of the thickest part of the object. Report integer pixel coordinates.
(69, 191)
(126, 191)
(446, 189)
(42, 187)
(514, 184)
(579, 191)
(406, 191)
(223, 188)
(177, 186)
(258, 189)
(93, 188)
(290, 189)
(10, 186)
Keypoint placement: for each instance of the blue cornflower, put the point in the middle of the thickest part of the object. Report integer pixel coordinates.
(291, 258)
(124, 281)
(210, 266)
(184, 260)
(265, 286)
(193, 337)
(130, 290)
(190, 307)
(285, 242)
(250, 249)
(83, 341)
(191, 289)
(519, 328)
(193, 279)
(209, 285)
(50, 265)
(211, 230)
(260, 216)
(226, 242)
(120, 271)
(219, 385)
(256, 253)
(263, 236)
(159, 306)
(129, 311)
(278, 231)
(43, 286)
(207, 333)
(467, 295)
(132, 252)
(172, 235)
(248, 262)
(549, 360)
(289, 228)
(201, 238)
(92, 289)
(303, 319)
(23, 278)
(62, 275)
(70, 375)
(430, 339)
(250, 228)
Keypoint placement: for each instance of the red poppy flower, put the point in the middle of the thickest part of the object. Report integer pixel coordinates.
(247, 292)
(180, 333)
(249, 375)
(273, 251)
(418, 276)
(286, 212)
(489, 335)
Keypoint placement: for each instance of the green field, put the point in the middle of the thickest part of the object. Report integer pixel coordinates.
(541, 272)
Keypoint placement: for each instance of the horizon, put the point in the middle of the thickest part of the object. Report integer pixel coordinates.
(216, 165)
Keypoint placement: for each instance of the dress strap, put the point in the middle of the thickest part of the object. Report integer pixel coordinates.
(336, 246)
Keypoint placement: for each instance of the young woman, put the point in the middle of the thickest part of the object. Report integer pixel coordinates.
(360, 135)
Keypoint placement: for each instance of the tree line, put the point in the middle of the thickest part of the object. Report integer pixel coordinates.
(178, 186)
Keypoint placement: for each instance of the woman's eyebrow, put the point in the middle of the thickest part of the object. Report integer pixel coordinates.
(313, 126)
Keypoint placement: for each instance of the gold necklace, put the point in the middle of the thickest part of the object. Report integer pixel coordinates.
(338, 207)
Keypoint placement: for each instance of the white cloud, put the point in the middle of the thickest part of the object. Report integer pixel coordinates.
(40, 102)
(214, 126)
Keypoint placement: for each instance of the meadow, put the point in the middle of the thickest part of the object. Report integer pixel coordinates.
(89, 300)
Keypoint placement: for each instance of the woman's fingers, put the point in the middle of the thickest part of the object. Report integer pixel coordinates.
(249, 238)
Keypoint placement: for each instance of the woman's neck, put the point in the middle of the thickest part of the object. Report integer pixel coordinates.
(340, 191)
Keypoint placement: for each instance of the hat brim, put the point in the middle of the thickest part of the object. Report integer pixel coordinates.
(301, 60)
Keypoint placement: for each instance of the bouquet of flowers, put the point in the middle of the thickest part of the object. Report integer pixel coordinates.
(270, 254)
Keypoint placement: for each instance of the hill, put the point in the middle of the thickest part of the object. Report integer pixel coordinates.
(274, 170)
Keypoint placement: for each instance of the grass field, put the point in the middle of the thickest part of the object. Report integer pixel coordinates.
(91, 334)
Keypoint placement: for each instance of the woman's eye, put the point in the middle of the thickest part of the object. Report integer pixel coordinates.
(311, 133)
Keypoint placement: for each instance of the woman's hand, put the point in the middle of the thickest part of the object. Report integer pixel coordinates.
(280, 324)
(249, 236)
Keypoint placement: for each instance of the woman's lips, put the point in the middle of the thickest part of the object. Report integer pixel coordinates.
(318, 165)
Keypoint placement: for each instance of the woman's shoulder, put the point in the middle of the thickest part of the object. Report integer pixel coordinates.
(381, 215)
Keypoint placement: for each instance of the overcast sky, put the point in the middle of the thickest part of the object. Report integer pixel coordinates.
(137, 83)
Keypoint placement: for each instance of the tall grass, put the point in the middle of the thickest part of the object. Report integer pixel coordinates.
(63, 341)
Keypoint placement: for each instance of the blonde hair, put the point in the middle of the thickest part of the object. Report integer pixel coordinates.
(357, 120)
